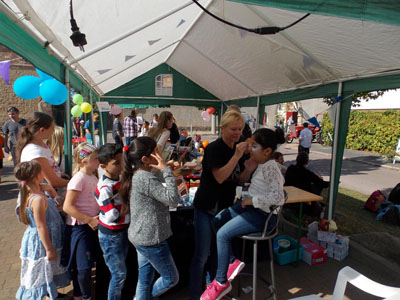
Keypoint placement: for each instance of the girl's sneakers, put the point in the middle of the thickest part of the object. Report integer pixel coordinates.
(234, 269)
(216, 291)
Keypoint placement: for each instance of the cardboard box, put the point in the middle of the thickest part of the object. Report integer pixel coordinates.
(313, 254)
(337, 250)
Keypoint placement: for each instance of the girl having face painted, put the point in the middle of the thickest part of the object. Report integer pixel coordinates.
(250, 214)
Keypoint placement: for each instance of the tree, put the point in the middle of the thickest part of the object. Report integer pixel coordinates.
(358, 97)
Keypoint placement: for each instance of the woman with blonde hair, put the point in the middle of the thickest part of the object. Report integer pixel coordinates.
(161, 133)
(223, 169)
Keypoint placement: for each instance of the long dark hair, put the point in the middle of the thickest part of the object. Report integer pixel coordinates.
(269, 138)
(35, 121)
(26, 172)
(131, 161)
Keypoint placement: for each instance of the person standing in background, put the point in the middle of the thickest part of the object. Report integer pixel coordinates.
(305, 139)
(174, 133)
(10, 130)
(154, 122)
(117, 131)
(96, 119)
(130, 127)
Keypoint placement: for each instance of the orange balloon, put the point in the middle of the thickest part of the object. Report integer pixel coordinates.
(9, 158)
(205, 143)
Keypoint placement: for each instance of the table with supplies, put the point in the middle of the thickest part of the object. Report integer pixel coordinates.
(296, 195)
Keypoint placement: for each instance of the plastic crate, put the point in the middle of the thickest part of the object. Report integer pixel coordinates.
(288, 256)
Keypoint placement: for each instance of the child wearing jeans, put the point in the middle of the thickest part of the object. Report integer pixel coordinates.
(113, 226)
(82, 220)
(149, 200)
(250, 214)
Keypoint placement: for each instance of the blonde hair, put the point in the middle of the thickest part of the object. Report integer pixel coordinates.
(231, 116)
(56, 143)
(83, 152)
(26, 172)
(165, 116)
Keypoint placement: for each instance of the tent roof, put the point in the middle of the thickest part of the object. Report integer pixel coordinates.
(340, 41)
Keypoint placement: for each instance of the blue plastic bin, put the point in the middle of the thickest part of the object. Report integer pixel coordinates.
(288, 256)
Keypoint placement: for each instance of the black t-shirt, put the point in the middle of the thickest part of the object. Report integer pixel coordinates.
(211, 197)
(301, 177)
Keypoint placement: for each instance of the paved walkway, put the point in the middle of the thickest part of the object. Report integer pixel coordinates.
(291, 281)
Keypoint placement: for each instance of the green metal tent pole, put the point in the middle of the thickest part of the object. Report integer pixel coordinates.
(91, 118)
(67, 129)
(101, 129)
(339, 141)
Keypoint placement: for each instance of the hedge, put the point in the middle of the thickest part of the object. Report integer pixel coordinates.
(370, 131)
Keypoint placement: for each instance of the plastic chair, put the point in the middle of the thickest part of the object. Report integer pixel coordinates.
(365, 284)
(266, 235)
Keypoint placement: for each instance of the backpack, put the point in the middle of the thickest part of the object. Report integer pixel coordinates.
(374, 200)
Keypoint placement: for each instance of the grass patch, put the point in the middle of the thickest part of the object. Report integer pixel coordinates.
(351, 218)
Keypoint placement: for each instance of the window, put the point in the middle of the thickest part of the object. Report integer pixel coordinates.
(164, 85)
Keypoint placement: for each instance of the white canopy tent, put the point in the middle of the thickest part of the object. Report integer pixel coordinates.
(340, 49)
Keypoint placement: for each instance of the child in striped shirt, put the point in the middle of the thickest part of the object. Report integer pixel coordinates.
(113, 226)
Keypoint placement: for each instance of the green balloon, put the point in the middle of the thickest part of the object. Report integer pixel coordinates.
(76, 111)
(77, 99)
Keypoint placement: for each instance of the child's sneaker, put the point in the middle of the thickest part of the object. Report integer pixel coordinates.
(216, 291)
(234, 269)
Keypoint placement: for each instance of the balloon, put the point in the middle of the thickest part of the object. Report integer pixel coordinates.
(77, 99)
(210, 110)
(86, 107)
(53, 92)
(27, 87)
(76, 111)
(9, 158)
(116, 110)
(43, 76)
(205, 143)
(205, 116)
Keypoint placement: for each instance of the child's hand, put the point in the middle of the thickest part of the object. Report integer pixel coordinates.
(94, 222)
(51, 254)
(247, 202)
(48, 188)
(65, 176)
(160, 161)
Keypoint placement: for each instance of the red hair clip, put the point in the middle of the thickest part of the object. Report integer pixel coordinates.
(126, 148)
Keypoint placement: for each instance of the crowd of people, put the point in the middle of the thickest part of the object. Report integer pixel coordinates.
(75, 223)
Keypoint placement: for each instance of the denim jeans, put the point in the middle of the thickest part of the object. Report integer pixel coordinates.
(233, 222)
(115, 249)
(150, 259)
(205, 253)
(129, 139)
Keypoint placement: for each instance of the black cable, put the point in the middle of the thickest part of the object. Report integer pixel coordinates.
(258, 30)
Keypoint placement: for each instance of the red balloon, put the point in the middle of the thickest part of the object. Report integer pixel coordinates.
(210, 110)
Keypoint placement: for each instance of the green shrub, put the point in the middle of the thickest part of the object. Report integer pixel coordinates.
(369, 131)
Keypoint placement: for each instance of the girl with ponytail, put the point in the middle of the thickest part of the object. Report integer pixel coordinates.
(43, 239)
(148, 200)
(248, 215)
(31, 146)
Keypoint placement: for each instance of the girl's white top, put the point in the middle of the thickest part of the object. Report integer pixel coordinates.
(266, 187)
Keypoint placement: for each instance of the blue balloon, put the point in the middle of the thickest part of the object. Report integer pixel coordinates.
(43, 76)
(27, 87)
(53, 92)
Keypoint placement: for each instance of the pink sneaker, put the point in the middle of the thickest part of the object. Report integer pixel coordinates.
(234, 269)
(216, 291)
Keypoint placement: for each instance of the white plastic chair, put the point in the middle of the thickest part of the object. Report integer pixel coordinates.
(365, 284)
